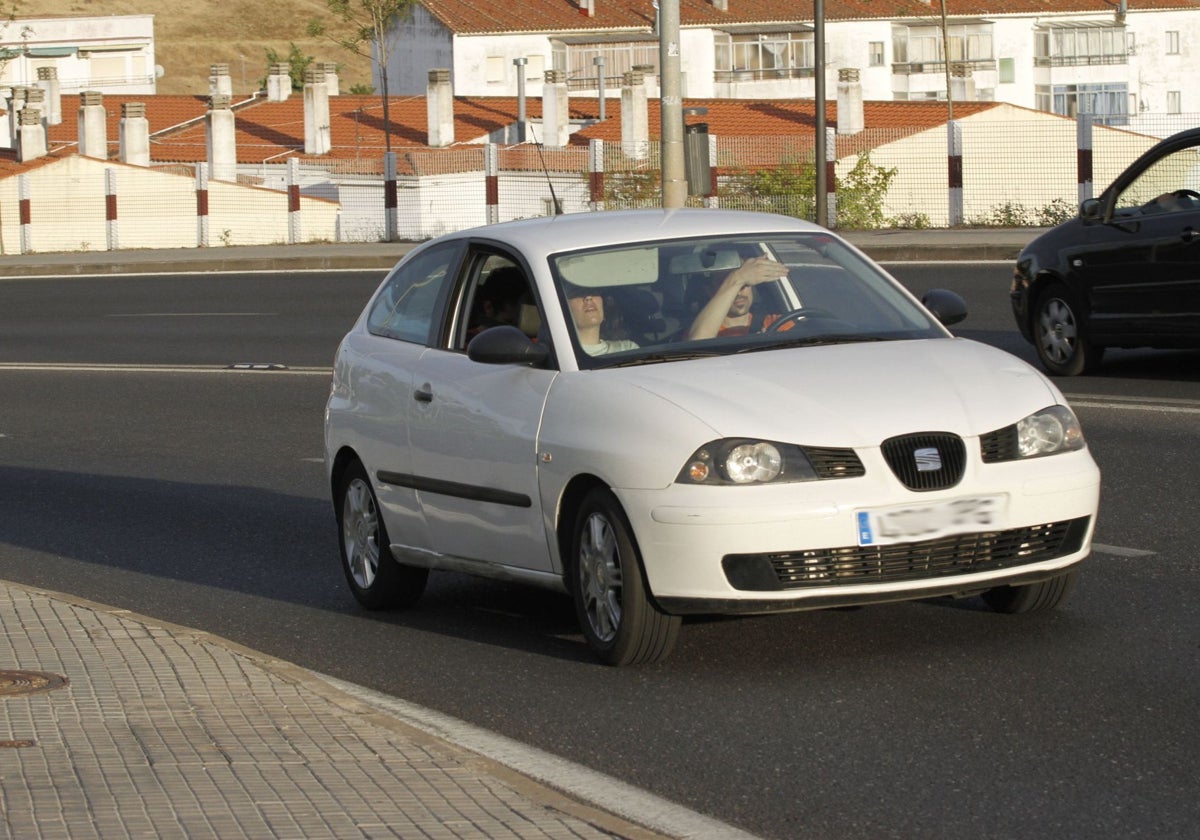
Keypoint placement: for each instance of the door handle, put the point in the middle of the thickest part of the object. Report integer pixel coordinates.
(424, 394)
(1189, 235)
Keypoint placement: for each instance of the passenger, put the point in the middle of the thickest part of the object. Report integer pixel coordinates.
(727, 312)
(587, 310)
(498, 301)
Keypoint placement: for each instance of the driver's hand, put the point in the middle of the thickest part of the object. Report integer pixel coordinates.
(758, 270)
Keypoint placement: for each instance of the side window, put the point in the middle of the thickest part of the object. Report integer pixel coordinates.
(498, 293)
(405, 308)
(1170, 185)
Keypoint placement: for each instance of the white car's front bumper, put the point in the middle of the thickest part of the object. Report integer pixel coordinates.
(796, 546)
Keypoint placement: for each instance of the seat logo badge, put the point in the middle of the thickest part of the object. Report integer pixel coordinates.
(928, 459)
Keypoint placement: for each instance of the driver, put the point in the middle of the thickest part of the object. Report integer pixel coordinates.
(728, 312)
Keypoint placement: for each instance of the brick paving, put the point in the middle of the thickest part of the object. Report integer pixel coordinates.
(163, 732)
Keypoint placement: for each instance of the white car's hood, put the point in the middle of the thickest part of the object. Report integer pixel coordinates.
(853, 394)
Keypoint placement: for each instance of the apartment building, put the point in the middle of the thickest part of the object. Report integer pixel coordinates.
(1113, 59)
(110, 53)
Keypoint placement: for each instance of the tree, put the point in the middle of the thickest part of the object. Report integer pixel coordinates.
(296, 61)
(368, 22)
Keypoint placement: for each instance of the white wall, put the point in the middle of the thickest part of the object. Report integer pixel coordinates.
(125, 71)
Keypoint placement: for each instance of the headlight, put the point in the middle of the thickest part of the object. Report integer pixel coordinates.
(1046, 432)
(741, 461)
(1051, 430)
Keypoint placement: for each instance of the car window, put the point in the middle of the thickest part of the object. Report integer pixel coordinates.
(657, 301)
(497, 292)
(1170, 184)
(405, 306)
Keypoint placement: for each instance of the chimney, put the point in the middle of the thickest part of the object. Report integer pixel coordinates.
(850, 118)
(556, 125)
(222, 144)
(48, 82)
(134, 134)
(16, 101)
(219, 81)
(587, 7)
(33, 135)
(93, 125)
(279, 82)
(316, 113)
(635, 118)
(439, 105)
(331, 77)
(962, 83)
(721, 5)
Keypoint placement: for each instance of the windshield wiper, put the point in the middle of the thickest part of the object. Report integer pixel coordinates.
(666, 356)
(815, 340)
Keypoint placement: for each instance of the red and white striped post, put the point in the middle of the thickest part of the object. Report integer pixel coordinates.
(25, 210)
(711, 200)
(202, 240)
(111, 234)
(596, 174)
(391, 203)
(1083, 132)
(293, 192)
(491, 181)
(831, 176)
(955, 172)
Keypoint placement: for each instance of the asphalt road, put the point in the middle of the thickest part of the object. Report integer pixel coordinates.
(143, 465)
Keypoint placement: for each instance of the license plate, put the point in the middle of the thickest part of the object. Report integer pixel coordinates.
(910, 523)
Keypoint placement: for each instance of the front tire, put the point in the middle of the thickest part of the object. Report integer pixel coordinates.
(620, 623)
(1031, 597)
(1060, 338)
(376, 579)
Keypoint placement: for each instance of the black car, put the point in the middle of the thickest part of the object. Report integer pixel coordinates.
(1125, 273)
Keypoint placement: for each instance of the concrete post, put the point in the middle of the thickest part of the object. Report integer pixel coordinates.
(93, 125)
(134, 134)
(48, 82)
(635, 117)
(439, 103)
(850, 119)
(556, 126)
(219, 133)
(317, 139)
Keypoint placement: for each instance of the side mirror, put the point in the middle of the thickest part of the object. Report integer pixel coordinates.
(505, 345)
(1089, 210)
(947, 306)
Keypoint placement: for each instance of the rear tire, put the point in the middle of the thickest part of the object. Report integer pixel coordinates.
(1031, 597)
(1060, 338)
(376, 579)
(620, 623)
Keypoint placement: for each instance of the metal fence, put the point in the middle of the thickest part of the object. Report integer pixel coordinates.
(1012, 174)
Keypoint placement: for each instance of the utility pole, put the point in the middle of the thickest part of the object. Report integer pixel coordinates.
(819, 151)
(674, 176)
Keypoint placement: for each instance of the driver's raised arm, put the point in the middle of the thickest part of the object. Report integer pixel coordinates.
(750, 273)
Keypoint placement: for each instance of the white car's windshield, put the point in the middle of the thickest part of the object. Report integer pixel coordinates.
(659, 301)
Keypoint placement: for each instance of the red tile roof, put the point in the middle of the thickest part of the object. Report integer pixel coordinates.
(496, 16)
(273, 131)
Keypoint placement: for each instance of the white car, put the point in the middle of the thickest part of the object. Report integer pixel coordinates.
(597, 403)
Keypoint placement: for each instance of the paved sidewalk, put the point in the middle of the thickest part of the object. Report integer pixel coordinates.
(159, 731)
(884, 245)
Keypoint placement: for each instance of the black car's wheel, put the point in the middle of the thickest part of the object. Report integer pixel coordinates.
(375, 578)
(1031, 597)
(1060, 337)
(618, 620)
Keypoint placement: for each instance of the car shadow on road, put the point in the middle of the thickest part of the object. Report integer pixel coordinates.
(162, 548)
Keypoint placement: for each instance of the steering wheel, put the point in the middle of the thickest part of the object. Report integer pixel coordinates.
(798, 315)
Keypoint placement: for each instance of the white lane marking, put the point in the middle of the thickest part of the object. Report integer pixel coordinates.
(1164, 404)
(248, 367)
(608, 793)
(188, 314)
(1121, 551)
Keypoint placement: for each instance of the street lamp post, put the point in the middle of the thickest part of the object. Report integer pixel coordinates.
(674, 180)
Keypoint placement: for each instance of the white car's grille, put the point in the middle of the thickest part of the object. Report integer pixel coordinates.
(927, 460)
(930, 559)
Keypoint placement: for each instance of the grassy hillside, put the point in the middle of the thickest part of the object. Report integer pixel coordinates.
(192, 34)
